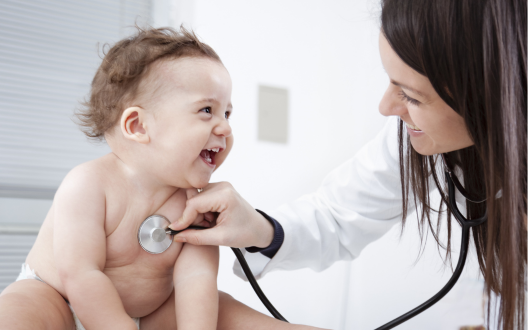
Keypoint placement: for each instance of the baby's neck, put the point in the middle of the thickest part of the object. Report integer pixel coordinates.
(140, 182)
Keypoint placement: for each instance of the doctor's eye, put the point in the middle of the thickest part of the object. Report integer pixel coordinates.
(206, 110)
(408, 99)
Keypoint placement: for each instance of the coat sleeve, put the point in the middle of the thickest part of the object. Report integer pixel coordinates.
(356, 204)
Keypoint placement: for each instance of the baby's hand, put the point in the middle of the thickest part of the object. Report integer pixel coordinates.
(203, 219)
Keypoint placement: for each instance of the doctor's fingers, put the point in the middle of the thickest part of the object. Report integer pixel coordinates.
(215, 198)
(213, 236)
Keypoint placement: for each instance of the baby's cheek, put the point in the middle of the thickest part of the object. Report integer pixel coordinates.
(219, 159)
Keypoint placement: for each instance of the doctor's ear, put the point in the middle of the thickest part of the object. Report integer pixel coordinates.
(133, 125)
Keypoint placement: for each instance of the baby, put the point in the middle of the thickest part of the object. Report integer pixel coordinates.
(161, 100)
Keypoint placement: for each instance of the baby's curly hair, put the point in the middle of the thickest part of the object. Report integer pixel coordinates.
(124, 65)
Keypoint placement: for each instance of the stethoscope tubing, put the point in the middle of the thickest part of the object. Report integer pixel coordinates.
(249, 275)
(449, 285)
(255, 285)
(466, 226)
(403, 318)
(464, 246)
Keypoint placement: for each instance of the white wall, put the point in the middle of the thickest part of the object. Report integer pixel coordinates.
(326, 54)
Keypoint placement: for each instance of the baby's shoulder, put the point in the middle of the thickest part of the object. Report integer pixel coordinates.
(89, 177)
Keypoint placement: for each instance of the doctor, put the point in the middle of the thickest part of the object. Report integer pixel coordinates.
(457, 87)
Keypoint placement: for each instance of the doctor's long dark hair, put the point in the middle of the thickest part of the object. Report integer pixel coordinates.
(474, 54)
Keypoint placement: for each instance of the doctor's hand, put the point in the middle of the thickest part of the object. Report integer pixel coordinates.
(237, 224)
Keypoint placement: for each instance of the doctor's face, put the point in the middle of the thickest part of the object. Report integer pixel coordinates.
(433, 126)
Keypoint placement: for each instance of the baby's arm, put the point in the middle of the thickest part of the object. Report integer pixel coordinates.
(195, 287)
(80, 252)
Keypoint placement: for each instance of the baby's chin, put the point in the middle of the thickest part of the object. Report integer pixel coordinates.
(198, 182)
(189, 183)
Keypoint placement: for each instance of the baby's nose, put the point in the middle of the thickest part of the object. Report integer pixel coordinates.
(223, 129)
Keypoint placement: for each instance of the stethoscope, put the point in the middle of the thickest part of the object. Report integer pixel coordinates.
(155, 237)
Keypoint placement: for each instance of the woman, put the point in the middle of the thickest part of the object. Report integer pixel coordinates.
(458, 85)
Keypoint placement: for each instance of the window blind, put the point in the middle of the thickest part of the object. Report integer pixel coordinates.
(48, 56)
(13, 252)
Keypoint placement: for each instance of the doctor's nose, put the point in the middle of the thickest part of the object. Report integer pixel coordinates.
(391, 104)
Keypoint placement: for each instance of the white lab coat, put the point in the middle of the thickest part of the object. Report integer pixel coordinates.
(356, 204)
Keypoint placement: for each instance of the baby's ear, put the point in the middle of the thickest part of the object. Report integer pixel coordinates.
(133, 125)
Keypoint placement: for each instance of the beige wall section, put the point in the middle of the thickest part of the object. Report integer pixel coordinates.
(273, 114)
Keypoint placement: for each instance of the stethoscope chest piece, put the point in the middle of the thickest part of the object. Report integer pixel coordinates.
(152, 234)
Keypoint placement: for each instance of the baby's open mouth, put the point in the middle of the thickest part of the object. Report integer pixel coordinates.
(208, 155)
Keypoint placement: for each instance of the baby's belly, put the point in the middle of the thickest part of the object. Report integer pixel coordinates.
(142, 289)
(143, 281)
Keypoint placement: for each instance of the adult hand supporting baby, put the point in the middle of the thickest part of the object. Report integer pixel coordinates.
(237, 225)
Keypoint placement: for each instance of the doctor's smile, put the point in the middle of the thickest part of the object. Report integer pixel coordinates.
(415, 122)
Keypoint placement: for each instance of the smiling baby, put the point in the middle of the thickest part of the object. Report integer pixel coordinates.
(161, 100)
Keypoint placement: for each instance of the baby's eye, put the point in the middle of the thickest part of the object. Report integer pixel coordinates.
(206, 110)
(227, 114)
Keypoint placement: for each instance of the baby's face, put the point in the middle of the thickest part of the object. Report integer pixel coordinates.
(187, 120)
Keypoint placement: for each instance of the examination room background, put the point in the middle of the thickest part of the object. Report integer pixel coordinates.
(322, 54)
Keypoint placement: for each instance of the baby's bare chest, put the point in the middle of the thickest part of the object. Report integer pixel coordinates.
(123, 223)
